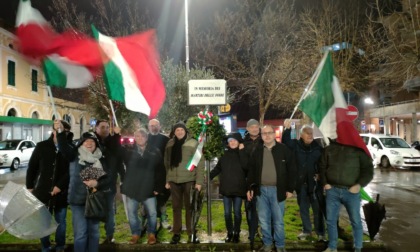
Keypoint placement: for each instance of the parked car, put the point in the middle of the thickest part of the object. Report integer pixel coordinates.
(14, 153)
(392, 151)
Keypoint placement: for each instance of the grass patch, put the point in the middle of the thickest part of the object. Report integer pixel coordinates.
(293, 225)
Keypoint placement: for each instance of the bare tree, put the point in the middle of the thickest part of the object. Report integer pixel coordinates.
(337, 26)
(253, 46)
(394, 38)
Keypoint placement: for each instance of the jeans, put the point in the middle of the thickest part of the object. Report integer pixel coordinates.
(270, 216)
(351, 201)
(133, 215)
(110, 221)
(86, 231)
(236, 203)
(306, 200)
(60, 233)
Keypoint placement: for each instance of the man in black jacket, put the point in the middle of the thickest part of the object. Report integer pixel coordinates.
(344, 171)
(47, 178)
(272, 172)
(307, 153)
(141, 185)
(159, 141)
(110, 146)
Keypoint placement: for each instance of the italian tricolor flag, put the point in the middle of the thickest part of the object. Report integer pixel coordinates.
(132, 72)
(192, 164)
(324, 103)
(69, 60)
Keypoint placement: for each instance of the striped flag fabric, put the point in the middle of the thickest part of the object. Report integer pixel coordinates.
(132, 72)
(324, 103)
(192, 164)
(69, 60)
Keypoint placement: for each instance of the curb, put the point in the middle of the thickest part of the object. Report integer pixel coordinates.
(242, 247)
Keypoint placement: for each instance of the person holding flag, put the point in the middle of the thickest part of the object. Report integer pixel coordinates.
(345, 165)
(179, 179)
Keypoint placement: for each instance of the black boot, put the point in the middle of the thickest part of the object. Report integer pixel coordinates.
(175, 239)
(235, 238)
(229, 237)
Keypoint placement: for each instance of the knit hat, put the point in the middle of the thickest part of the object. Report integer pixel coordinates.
(179, 125)
(252, 122)
(86, 136)
(235, 135)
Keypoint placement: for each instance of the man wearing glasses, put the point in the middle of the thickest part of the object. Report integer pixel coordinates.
(271, 179)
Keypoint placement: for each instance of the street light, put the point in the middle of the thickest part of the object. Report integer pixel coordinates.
(370, 127)
(187, 48)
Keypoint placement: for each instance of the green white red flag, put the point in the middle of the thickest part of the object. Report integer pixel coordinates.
(324, 103)
(69, 60)
(131, 72)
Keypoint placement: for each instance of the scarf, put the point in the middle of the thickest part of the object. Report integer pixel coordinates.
(86, 156)
(176, 153)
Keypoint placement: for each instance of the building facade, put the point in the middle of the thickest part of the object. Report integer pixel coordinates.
(26, 110)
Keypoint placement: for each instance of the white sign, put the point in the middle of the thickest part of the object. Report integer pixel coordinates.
(207, 92)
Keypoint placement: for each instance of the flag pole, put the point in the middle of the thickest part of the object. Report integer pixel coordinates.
(52, 103)
(311, 83)
(113, 112)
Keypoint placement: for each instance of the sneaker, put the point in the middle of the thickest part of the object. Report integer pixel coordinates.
(265, 248)
(151, 239)
(322, 238)
(281, 250)
(165, 224)
(303, 236)
(134, 239)
(330, 250)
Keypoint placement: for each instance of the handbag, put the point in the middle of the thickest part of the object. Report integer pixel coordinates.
(96, 206)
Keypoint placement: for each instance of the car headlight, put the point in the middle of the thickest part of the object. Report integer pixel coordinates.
(394, 152)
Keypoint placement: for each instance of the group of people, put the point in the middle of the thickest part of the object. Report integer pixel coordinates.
(254, 168)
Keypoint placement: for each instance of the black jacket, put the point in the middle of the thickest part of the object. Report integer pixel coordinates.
(48, 168)
(232, 169)
(307, 158)
(285, 169)
(141, 181)
(111, 151)
(345, 166)
(159, 141)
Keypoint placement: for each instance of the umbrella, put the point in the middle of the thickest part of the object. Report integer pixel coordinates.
(374, 214)
(196, 200)
(23, 215)
(252, 219)
(91, 173)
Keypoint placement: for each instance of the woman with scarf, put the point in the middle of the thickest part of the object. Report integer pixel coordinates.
(179, 151)
(85, 155)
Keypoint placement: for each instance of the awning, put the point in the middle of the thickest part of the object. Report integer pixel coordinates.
(12, 119)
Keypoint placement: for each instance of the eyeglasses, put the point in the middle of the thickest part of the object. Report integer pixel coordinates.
(267, 133)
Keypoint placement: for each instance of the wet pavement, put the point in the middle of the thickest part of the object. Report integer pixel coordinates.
(399, 190)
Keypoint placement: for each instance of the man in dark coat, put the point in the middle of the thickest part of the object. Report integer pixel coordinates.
(271, 179)
(307, 153)
(110, 146)
(47, 178)
(159, 141)
(344, 170)
(140, 185)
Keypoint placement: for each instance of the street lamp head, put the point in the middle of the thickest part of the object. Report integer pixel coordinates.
(368, 100)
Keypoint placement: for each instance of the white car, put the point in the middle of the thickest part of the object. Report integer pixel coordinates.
(391, 151)
(15, 152)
